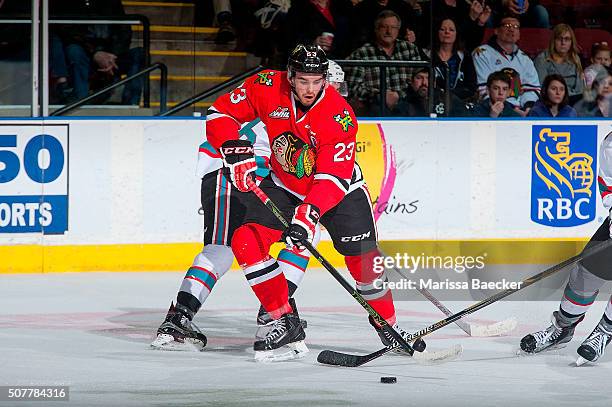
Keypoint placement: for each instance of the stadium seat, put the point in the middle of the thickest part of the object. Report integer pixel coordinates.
(586, 37)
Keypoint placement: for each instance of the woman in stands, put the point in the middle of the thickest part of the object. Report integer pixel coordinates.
(562, 58)
(553, 99)
(448, 55)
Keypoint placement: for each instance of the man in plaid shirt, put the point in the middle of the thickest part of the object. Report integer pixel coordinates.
(364, 82)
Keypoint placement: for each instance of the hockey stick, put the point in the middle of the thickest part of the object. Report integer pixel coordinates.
(330, 357)
(495, 329)
(332, 270)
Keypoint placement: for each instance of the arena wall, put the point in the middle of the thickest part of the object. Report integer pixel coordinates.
(117, 194)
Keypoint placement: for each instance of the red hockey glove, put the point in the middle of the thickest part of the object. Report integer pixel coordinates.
(239, 161)
(303, 226)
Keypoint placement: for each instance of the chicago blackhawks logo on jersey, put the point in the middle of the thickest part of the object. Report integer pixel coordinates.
(264, 78)
(294, 156)
(345, 121)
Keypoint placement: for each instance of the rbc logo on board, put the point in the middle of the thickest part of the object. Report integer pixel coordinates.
(564, 163)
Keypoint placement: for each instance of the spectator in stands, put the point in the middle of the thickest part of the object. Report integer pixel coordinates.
(97, 52)
(596, 101)
(562, 58)
(600, 54)
(600, 57)
(530, 14)
(415, 101)
(366, 12)
(469, 16)
(224, 20)
(502, 53)
(496, 105)
(325, 23)
(554, 99)
(448, 53)
(364, 83)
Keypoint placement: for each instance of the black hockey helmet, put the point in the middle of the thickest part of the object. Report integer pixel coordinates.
(307, 59)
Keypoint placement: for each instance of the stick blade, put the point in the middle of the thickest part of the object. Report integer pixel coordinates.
(330, 357)
(497, 329)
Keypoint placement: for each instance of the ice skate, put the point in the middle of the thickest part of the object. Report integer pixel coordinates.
(388, 340)
(552, 337)
(177, 332)
(284, 341)
(593, 346)
(265, 321)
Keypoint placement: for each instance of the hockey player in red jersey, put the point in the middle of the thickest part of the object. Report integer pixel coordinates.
(314, 177)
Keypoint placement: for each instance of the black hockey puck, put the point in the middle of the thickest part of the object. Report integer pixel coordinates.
(419, 345)
(388, 379)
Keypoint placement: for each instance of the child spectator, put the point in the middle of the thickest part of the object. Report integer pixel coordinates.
(562, 58)
(600, 57)
(496, 105)
(554, 99)
(596, 102)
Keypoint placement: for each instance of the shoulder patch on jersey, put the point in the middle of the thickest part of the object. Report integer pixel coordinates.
(479, 50)
(294, 156)
(264, 78)
(345, 121)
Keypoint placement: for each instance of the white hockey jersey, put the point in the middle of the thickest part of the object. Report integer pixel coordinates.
(491, 58)
(604, 178)
(209, 159)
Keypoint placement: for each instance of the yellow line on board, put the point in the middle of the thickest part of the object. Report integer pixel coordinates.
(177, 256)
(156, 4)
(177, 29)
(191, 78)
(198, 53)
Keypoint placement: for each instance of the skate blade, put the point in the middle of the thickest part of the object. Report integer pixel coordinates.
(581, 361)
(498, 329)
(167, 342)
(439, 356)
(521, 352)
(295, 350)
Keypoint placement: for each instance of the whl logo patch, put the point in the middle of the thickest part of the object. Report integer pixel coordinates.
(280, 113)
(563, 168)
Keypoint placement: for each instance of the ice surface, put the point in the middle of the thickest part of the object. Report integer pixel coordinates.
(92, 331)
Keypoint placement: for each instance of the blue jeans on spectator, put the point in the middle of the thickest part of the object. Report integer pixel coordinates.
(80, 66)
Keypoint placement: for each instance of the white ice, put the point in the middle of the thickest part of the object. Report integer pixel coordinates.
(92, 331)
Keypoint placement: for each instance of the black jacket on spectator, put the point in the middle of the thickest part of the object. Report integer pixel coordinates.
(462, 82)
(414, 105)
(114, 38)
(305, 23)
(483, 109)
(366, 13)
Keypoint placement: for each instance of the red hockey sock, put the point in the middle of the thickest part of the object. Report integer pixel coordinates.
(379, 297)
(251, 245)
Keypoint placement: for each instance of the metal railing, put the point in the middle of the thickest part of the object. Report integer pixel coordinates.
(163, 89)
(384, 64)
(127, 19)
(209, 92)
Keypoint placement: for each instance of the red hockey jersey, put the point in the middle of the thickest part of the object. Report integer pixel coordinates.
(313, 154)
